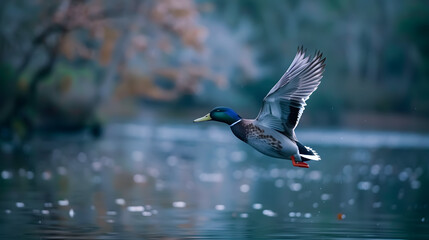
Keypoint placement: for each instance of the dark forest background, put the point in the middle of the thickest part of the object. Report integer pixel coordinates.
(73, 65)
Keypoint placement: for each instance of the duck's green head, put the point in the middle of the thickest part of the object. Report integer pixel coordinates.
(220, 114)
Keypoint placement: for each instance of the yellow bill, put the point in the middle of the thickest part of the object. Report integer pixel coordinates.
(205, 118)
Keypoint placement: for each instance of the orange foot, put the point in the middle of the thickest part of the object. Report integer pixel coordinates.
(298, 164)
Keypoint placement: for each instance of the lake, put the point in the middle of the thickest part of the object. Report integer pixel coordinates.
(198, 181)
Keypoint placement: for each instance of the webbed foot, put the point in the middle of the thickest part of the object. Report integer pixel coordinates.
(299, 164)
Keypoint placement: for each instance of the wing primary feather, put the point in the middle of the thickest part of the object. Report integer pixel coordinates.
(285, 102)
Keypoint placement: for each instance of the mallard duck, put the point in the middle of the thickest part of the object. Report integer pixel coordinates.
(272, 131)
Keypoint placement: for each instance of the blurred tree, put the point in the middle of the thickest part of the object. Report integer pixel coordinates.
(60, 60)
(375, 50)
(414, 27)
(69, 55)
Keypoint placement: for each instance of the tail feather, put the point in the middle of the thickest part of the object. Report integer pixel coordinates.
(307, 153)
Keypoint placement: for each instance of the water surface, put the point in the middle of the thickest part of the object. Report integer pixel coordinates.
(142, 182)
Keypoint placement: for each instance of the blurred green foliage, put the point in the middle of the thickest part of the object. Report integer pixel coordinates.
(377, 51)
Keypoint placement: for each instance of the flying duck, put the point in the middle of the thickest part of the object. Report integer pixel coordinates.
(272, 131)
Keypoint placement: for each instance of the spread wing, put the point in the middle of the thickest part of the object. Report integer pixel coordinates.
(285, 102)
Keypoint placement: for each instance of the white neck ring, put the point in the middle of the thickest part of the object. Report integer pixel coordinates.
(239, 120)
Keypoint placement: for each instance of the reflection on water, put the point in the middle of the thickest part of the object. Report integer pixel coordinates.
(174, 182)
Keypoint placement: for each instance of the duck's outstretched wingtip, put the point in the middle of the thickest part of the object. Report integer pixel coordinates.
(301, 49)
(317, 53)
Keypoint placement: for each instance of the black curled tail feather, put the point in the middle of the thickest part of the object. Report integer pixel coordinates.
(307, 153)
